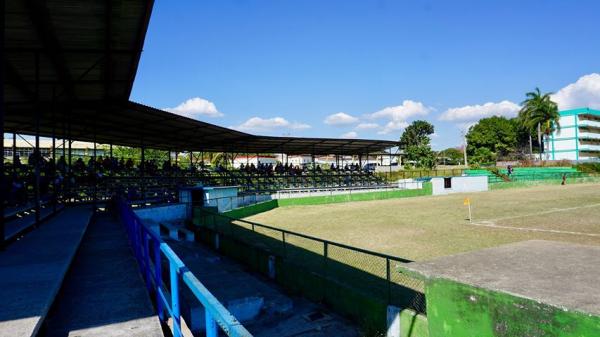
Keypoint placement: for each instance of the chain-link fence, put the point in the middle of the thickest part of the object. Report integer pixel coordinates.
(321, 269)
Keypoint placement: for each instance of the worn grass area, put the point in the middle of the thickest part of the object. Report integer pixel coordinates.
(421, 228)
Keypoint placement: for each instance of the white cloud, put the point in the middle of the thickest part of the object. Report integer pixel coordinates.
(195, 108)
(366, 126)
(476, 112)
(340, 118)
(392, 126)
(402, 112)
(585, 92)
(257, 124)
(399, 114)
(349, 135)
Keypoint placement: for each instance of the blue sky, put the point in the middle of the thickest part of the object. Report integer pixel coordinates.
(365, 68)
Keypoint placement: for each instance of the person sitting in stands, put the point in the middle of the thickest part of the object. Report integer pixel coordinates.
(129, 164)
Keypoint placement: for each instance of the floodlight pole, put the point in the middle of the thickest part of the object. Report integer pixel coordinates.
(465, 148)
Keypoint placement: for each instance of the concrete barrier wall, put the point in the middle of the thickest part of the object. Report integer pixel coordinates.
(172, 212)
(329, 199)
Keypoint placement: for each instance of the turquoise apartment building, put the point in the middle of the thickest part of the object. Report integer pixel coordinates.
(578, 137)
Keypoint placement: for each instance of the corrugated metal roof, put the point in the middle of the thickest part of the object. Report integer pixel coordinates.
(72, 64)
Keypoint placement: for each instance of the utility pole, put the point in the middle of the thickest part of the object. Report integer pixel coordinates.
(465, 148)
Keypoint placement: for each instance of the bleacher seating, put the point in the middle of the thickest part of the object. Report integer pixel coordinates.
(527, 173)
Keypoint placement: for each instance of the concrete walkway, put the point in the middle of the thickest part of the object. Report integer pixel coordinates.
(103, 293)
(33, 268)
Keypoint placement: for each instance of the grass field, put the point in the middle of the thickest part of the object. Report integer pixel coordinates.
(421, 228)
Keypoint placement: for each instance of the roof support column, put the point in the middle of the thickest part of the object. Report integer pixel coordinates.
(314, 168)
(37, 156)
(95, 173)
(14, 155)
(64, 168)
(390, 150)
(70, 161)
(2, 108)
(53, 166)
(143, 172)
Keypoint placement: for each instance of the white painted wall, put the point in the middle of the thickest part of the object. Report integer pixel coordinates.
(170, 213)
(460, 185)
(224, 198)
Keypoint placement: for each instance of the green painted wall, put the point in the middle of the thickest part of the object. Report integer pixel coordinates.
(413, 324)
(321, 200)
(247, 211)
(459, 310)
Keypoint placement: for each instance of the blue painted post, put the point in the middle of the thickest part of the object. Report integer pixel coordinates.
(137, 240)
(211, 325)
(158, 279)
(147, 274)
(175, 315)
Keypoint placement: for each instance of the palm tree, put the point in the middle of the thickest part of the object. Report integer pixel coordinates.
(541, 113)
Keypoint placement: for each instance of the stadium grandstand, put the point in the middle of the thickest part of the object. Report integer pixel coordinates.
(68, 71)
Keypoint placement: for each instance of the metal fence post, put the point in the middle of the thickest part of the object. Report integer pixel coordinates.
(158, 279)
(211, 325)
(175, 314)
(389, 280)
(325, 257)
(147, 274)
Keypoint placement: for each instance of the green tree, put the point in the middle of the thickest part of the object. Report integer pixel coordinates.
(421, 156)
(539, 113)
(498, 135)
(135, 153)
(450, 156)
(415, 143)
(417, 133)
(483, 156)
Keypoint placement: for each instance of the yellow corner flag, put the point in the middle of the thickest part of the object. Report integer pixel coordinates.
(467, 202)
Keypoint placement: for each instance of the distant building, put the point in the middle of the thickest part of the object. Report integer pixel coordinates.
(24, 148)
(249, 160)
(578, 137)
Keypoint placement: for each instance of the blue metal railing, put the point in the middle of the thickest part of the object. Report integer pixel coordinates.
(148, 249)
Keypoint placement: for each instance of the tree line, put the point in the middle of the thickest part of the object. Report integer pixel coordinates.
(490, 139)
